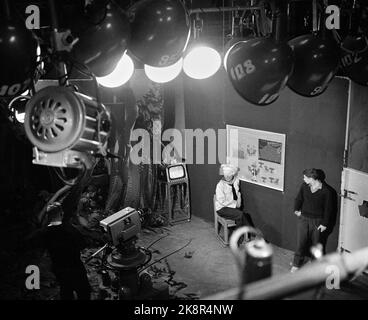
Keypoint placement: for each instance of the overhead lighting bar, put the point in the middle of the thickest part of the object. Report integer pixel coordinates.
(223, 9)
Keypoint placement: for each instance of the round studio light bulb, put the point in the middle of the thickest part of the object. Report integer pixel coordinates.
(165, 74)
(201, 62)
(120, 75)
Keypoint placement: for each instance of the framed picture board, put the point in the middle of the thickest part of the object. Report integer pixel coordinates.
(260, 155)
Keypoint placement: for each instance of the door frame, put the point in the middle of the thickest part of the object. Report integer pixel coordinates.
(345, 166)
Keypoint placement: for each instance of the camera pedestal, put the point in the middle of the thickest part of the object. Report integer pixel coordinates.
(126, 259)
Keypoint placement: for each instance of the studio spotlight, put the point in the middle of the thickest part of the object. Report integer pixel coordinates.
(354, 48)
(18, 57)
(316, 62)
(66, 128)
(232, 43)
(103, 39)
(120, 75)
(238, 33)
(354, 58)
(227, 50)
(160, 31)
(259, 68)
(201, 62)
(163, 75)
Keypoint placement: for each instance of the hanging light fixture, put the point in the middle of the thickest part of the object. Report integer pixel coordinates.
(165, 74)
(201, 61)
(160, 30)
(238, 33)
(120, 75)
(18, 53)
(107, 37)
(259, 68)
(228, 51)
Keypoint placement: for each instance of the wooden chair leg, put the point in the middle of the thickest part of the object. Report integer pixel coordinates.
(226, 234)
(219, 230)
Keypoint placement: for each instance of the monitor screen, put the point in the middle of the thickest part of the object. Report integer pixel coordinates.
(176, 172)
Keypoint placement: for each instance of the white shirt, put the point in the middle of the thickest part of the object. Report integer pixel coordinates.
(224, 194)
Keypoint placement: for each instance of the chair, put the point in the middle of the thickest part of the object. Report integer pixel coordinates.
(224, 223)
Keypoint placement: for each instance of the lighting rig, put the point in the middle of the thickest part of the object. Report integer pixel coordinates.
(107, 43)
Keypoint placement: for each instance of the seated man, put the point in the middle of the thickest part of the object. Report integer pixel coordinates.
(228, 197)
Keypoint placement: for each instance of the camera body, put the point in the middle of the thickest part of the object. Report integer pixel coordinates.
(122, 226)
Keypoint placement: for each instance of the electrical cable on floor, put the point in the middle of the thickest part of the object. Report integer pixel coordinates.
(156, 241)
(166, 256)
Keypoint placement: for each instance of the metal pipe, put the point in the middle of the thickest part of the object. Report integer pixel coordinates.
(279, 23)
(308, 277)
(314, 12)
(61, 66)
(222, 9)
(53, 14)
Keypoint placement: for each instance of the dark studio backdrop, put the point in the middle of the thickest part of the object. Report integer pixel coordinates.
(315, 137)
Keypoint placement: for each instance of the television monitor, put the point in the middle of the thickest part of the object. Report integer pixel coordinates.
(176, 172)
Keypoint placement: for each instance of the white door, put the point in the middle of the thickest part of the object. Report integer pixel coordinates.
(353, 233)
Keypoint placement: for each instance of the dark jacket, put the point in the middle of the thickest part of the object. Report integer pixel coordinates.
(319, 205)
(63, 243)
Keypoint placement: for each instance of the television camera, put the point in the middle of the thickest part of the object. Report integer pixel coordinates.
(123, 256)
(125, 259)
(122, 226)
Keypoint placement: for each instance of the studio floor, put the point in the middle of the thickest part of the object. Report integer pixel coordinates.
(201, 266)
(187, 259)
(202, 262)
